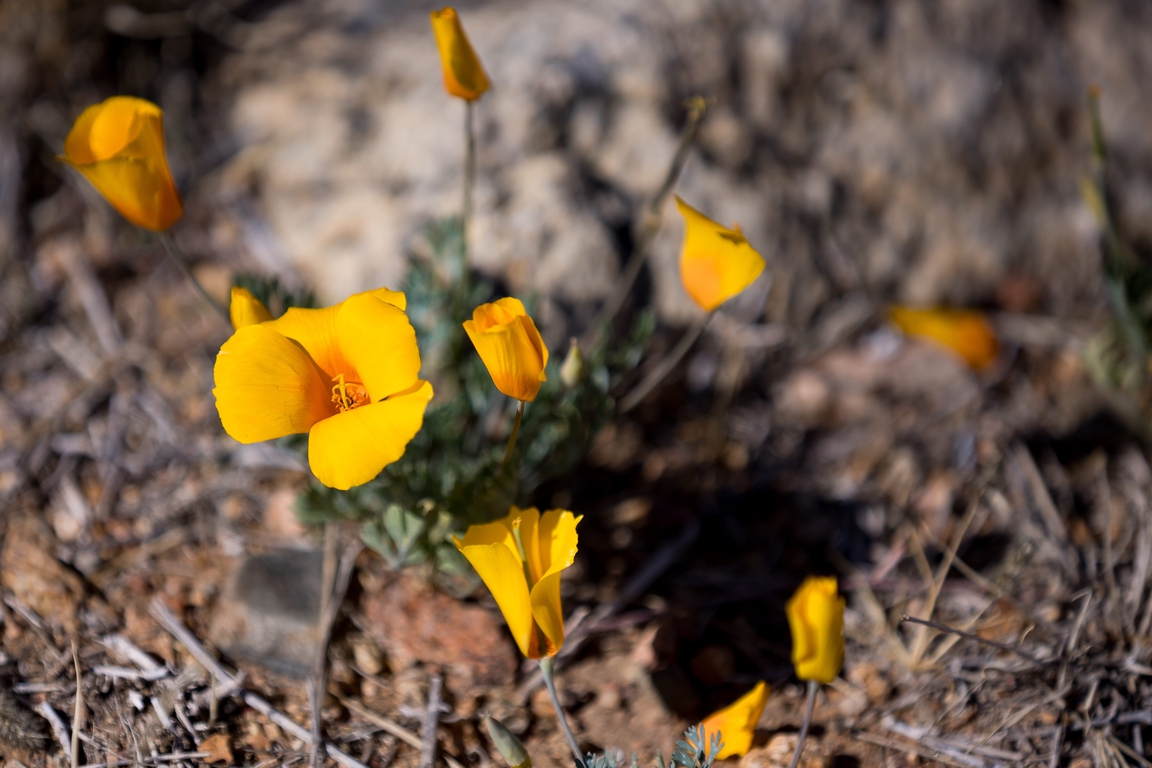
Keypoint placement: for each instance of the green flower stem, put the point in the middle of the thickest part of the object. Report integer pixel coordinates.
(664, 367)
(813, 686)
(512, 437)
(650, 226)
(469, 169)
(546, 665)
(182, 262)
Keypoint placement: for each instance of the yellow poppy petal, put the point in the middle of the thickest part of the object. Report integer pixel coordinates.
(119, 123)
(77, 145)
(464, 76)
(529, 521)
(557, 543)
(139, 189)
(716, 263)
(267, 387)
(315, 330)
(380, 343)
(499, 532)
(395, 298)
(967, 333)
(352, 447)
(500, 570)
(511, 347)
(737, 722)
(245, 309)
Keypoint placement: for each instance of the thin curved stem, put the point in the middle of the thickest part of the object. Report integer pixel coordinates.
(813, 686)
(512, 437)
(182, 261)
(469, 169)
(651, 225)
(546, 665)
(665, 366)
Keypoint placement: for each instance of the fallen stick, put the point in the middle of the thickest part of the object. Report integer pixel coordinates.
(431, 722)
(173, 625)
(59, 729)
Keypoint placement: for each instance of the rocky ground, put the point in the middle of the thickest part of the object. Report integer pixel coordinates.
(873, 152)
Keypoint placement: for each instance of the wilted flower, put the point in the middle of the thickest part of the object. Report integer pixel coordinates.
(737, 721)
(463, 75)
(521, 558)
(510, 747)
(816, 618)
(510, 346)
(716, 263)
(348, 375)
(118, 145)
(965, 332)
(245, 309)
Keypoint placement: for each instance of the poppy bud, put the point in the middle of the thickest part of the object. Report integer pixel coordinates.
(511, 748)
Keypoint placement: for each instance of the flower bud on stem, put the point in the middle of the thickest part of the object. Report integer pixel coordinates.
(546, 665)
(813, 686)
(182, 262)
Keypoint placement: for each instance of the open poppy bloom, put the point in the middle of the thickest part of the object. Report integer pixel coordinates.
(816, 617)
(348, 375)
(716, 263)
(245, 309)
(737, 722)
(520, 559)
(118, 145)
(510, 346)
(463, 75)
(963, 331)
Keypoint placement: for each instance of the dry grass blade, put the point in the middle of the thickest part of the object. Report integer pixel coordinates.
(392, 727)
(78, 712)
(975, 638)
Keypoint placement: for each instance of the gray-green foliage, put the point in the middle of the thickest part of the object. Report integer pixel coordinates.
(451, 474)
(1118, 357)
(695, 750)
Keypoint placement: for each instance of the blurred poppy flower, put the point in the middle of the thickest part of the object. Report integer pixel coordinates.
(737, 721)
(520, 559)
(118, 145)
(510, 346)
(348, 375)
(463, 75)
(245, 309)
(965, 332)
(816, 617)
(716, 263)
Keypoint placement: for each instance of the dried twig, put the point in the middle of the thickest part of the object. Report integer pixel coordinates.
(59, 728)
(976, 638)
(335, 587)
(232, 684)
(78, 712)
(431, 722)
(392, 727)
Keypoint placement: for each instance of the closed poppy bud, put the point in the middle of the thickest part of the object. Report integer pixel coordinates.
(967, 333)
(510, 346)
(816, 618)
(510, 747)
(716, 263)
(463, 75)
(118, 145)
(573, 369)
(736, 723)
(245, 309)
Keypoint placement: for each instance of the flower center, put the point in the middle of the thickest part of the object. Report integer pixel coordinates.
(348, 395)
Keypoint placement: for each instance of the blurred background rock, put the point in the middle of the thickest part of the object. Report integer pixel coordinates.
(907, 151)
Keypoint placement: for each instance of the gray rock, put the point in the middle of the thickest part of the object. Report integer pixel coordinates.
(268, 612)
